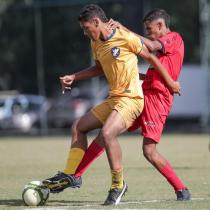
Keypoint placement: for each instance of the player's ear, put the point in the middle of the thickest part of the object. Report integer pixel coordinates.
(161, 24)
(96, 22)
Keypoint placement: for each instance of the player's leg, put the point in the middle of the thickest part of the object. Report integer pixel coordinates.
(164, 167)
(77, 150)
(112, 128)
(153, 119)
(124, 112)
(95, 149)
(79, 142)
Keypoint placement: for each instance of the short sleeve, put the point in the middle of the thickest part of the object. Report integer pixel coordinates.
(171, 43)
(135, 43)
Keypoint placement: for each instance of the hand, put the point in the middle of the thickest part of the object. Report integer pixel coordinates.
(112, 24)
(176, 88)
(66, 82)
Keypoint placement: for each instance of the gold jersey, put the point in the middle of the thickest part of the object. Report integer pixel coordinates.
(118, 58)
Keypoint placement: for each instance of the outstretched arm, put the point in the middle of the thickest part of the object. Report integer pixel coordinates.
(152, 45)
(93, 71)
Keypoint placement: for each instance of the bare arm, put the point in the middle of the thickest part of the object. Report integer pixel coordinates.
(90, 72)
(151, 45)
(93, 71)
(153, 60)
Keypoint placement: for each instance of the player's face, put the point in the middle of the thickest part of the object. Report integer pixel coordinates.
(153, 29)
(90, 29)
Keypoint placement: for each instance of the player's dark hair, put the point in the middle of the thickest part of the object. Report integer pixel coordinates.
(156, 14)
(90, 11)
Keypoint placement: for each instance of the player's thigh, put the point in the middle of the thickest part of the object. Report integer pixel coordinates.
(114, 125)
(129, 109)
(88, 122)
(124, 112)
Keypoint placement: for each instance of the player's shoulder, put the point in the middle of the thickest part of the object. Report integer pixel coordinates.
(126, 34)
(122, 31)
(173, 36)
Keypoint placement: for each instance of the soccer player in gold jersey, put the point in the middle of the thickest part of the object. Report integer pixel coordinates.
(115, 53)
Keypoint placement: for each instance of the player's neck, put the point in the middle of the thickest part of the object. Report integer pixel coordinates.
(106, 32)
(165, 31)
(168, 30)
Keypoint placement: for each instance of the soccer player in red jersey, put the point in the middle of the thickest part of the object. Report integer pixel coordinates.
(169, 48)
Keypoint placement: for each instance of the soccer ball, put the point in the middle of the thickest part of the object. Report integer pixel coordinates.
(35, 194)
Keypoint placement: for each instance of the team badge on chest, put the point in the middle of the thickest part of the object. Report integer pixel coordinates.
(115, 52)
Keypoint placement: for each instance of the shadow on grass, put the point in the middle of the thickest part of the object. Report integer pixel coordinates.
(19, 202)
(11, 202)
(73, 203)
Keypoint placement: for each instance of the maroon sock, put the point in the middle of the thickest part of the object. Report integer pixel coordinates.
(93, 151)
(168, 172)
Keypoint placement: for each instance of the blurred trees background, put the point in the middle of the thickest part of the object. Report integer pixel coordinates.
(65, 48)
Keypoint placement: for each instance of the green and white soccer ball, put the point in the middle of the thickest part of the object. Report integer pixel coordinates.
(35, 194)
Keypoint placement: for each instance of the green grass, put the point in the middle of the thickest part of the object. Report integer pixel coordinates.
(25, 159)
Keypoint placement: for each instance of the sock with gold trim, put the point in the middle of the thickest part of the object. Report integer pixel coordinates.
(117, 178)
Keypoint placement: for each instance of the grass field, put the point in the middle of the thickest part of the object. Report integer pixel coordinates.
(30, 158)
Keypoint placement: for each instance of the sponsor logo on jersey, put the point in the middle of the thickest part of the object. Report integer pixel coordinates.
(149, 123)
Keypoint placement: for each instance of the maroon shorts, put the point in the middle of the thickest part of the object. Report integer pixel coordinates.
(156, 109)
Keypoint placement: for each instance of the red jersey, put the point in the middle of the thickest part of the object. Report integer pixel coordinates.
(171, 57)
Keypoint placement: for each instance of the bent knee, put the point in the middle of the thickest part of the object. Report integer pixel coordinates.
(106, 135)
(77, 128)
(146, 152)
(149, 153)
(74, 127)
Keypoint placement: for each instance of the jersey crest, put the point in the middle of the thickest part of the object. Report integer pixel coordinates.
(115, 52)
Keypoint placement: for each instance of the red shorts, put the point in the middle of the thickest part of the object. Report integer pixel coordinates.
(156, 109)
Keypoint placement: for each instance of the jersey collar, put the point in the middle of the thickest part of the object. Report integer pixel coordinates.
(110, 36)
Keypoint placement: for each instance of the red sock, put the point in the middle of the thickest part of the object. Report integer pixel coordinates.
(93, 151)
(168, 172)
